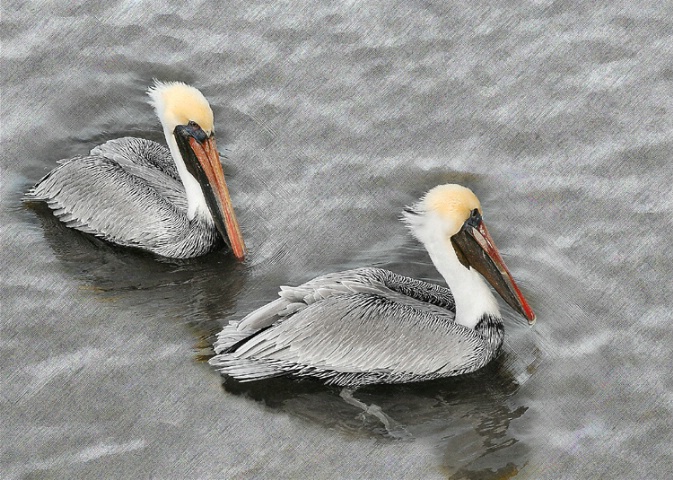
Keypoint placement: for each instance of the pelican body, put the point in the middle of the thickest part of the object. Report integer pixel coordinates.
(133, 192)
(371, 325)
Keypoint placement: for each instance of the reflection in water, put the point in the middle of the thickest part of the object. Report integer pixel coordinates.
(466, 417)
(199, 291)
(507, 471)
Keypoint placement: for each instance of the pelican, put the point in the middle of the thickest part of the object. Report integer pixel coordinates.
(370, 325)
(133, 192)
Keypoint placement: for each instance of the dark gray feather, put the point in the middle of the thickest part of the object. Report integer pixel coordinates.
(351, 328)
(127, 191)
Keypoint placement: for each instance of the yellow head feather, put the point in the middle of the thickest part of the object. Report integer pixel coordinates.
(452, 202)
(442, 211)
(177, 104)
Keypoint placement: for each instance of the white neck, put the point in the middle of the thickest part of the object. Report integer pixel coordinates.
(196, 202)
(470, 291)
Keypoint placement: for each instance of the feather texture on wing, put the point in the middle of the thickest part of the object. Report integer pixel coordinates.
(352, 328)
(127, 191)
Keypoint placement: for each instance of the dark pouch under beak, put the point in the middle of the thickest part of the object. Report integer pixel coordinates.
(475, 248)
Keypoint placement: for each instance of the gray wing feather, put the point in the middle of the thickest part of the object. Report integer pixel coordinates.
(139, 156)
(361, 280)
(351, 328)
(147, 160)
(125, 192)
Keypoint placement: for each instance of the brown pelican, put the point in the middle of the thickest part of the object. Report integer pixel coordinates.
(371, 325)
(136, 193)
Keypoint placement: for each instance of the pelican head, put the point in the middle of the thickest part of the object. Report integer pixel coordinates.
(448, 221)
(187, 120)
(177, 103)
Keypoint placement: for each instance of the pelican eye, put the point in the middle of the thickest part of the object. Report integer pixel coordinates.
(475, 218)
(194, 130)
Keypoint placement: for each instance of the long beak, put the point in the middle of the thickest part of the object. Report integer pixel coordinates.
(204, 164)
(475, 248)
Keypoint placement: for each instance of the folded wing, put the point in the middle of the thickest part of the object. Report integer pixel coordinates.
(126, 191)
(351, 328)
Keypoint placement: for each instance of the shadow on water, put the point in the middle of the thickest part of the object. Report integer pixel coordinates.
(199, 291)
(466, 418)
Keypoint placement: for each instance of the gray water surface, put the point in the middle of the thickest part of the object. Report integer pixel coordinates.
(331, 119)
